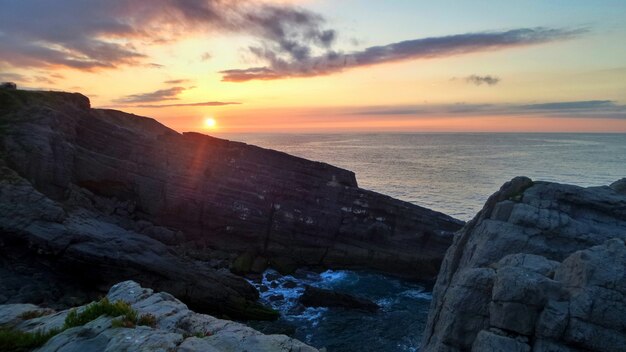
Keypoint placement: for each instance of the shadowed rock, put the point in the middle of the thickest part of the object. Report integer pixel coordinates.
(542, 267)
(98, 195)
(318, 297)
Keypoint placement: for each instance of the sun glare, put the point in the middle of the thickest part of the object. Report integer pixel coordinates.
(210, 123)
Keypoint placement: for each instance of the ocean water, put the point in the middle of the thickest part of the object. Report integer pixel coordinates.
(456, 173)
(452, 173)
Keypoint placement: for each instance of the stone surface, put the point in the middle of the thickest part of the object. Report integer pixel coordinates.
(219, 194)
(542, 267)
(177, 328)
(90, 197)
(318, 297)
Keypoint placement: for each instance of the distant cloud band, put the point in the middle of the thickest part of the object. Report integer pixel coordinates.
(426, 48)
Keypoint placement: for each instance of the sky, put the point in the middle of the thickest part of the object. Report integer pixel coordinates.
(226, 66)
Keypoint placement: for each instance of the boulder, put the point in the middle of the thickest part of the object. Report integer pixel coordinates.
(318, 297)
(541, 267)
(175, 328)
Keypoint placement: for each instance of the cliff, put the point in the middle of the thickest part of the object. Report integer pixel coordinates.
(541, 267)
(105, 196)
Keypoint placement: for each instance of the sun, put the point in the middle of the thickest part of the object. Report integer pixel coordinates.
(210, 123)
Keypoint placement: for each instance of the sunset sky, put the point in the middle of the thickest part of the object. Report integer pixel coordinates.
(330, 65)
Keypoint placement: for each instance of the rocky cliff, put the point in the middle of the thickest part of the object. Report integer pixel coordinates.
(168, 325)
(106, 196)
(542, 267)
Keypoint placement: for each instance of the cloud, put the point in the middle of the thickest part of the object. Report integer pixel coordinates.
(42, 77)
(426, 48)
(480, 80)
(159, 95)
(207, 103)
(206, 56)
(105, 34)
(177, 81)
(583, 108)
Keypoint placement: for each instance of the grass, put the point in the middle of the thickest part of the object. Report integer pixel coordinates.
(32, 314)
(13, 340)
(98, 309)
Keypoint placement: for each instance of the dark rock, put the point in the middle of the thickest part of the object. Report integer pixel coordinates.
(317, 297)
(542, 267)
(243, 263)
(8, 85)
(227, 195)
(274, 298)
(619, 186)
(259, 265)
(290, 284)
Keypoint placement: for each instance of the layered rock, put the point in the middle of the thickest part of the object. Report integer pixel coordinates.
(175, 328)
(103, 195)
(541, 267)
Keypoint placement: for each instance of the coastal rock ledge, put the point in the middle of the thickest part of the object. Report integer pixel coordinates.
(542, 267)
(91, 197)
(173, 327)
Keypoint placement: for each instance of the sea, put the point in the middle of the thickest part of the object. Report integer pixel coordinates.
(453, 173)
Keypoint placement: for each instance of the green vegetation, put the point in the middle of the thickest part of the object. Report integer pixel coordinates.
(147, 320)
(13, 340)
(32, 314)
(98, 309)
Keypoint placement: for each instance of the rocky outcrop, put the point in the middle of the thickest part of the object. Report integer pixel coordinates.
(542, 267)
(319, 297)
(174, 328)
(104, 196)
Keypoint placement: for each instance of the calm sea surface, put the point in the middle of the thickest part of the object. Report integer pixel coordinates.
(452, 173)
(456, 173)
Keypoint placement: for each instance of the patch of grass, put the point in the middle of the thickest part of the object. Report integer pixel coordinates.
(12, 340)
(147, 320)
(32, 314)
(98, 309)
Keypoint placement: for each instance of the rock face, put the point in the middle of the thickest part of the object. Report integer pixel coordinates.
(541, 268)
(104, 196)
(317, 297)
(176, 328)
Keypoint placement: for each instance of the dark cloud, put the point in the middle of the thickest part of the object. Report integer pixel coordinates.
(480, 80)
(42, 77)
(177, 81)
(302, 65)
(573, 105)
(159, 95)
(206, 56)
(98, 34)
(584, 108)
(207, 103)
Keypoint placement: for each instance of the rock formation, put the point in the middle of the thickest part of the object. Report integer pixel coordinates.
(319, 297)
(542, 267)
(175, 328)
(100, 196)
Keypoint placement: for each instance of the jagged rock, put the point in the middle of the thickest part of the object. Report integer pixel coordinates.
(220, 194)
(542, 267)
(619, 186)
(318, 297)
(8, 85)
(176, 328)
(95, 251)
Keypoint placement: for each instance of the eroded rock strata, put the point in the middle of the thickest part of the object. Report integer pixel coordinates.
(104, 196)
(541, 268)
(174, 327)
